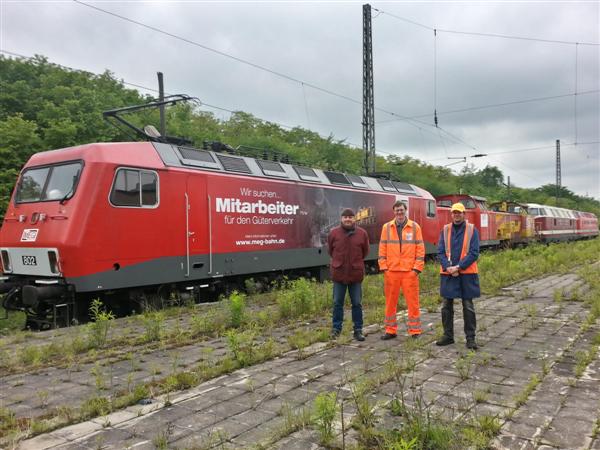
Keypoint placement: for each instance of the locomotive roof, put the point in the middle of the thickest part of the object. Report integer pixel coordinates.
(140, 154)
(552, 211)
(474, 197)
(158, 156)
(192, 158)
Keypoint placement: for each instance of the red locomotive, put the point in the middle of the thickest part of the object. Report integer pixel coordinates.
(553, 224)
(129, 221)
(498, 224)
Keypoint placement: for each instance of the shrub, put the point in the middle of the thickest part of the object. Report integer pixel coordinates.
(237, 307)
(99, 328)
(325, 410)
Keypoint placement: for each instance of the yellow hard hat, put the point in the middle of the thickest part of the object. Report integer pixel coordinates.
(458, 207)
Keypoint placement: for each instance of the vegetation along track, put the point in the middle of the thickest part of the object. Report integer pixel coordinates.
(60, 377)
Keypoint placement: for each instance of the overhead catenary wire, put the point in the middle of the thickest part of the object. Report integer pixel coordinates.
(306, 107)
(136, 85)
(520, 150)
(494, 35)
(540, 182)
(497, 105)
(260, 67)
(208, 105)
(139, 86)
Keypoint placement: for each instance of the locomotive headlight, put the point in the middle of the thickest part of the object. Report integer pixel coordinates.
(6, 265)
(53, 260)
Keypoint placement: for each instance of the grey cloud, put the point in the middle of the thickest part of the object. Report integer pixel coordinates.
(321, 43)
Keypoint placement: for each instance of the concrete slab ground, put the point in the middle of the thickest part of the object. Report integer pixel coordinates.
(528, 374)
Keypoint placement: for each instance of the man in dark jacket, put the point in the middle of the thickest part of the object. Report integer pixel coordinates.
(348, 245)
(458, 250)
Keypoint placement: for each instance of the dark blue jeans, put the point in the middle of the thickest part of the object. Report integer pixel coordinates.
(339, 294)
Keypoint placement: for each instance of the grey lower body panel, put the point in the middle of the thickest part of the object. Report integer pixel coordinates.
(174, 269)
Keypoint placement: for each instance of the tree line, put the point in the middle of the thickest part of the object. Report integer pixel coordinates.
(44, 106)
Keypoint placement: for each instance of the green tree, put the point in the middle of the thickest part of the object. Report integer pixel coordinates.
(44, 106)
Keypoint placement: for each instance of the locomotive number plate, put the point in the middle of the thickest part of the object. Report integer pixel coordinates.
(29, 260)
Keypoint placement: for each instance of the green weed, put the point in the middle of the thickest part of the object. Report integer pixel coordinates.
(522, 397)
(153, 322)
(99, 328)
(237, 308)
(324, 412)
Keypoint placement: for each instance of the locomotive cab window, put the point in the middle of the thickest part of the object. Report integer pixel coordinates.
(468, 203)
(430, 208)
(49, 183)
(135, 188)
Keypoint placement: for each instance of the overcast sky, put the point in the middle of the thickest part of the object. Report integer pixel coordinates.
(320, 43)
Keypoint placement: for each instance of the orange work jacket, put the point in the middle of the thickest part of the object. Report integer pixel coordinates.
(465, 247)
(401, 255)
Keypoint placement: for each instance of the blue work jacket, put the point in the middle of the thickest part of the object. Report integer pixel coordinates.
(465, 285)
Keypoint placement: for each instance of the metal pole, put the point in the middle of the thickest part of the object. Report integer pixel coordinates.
(368, 121)
(508, 186)
(161, 97)
(558, 180)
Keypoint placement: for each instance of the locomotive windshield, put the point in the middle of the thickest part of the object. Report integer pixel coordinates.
(48, 183)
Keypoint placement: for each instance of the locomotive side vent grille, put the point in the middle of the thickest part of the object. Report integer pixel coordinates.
(357, 181)
(196, 155)
(271, 168)
(386, 185)
(306, 173)
(403, 187)
(233, 164)
(337, 178)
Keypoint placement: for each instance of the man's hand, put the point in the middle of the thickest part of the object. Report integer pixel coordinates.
(453, 270)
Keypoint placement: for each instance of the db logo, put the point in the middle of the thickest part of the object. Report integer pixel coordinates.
(29, 235)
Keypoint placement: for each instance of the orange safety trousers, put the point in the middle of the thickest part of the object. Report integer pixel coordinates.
(408, 283)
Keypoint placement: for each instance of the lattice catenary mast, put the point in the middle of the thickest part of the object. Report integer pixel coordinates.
(368, 122)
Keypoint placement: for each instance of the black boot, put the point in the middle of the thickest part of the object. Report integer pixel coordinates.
(471, 344)
(447, 322)
(358, 335)
(444, 340)
(469, 319)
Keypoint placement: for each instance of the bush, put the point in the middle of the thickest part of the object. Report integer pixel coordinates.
(297, 299)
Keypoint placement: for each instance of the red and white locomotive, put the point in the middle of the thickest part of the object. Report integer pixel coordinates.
(553, 224)
(126, 221)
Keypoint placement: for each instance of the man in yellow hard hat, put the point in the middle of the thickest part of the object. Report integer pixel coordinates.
(458, 251)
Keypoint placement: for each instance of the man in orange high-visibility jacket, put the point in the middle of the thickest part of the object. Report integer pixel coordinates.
(401, 258)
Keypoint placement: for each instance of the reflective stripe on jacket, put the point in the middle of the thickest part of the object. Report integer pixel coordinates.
(466, 244)
(404, 254)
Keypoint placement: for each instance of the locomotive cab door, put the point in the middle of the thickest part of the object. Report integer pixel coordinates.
(197, 231)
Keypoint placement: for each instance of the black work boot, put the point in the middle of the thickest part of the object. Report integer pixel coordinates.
(358, 335)
(471, 344)
(387, 336)
(447, 322)
(444, 340)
